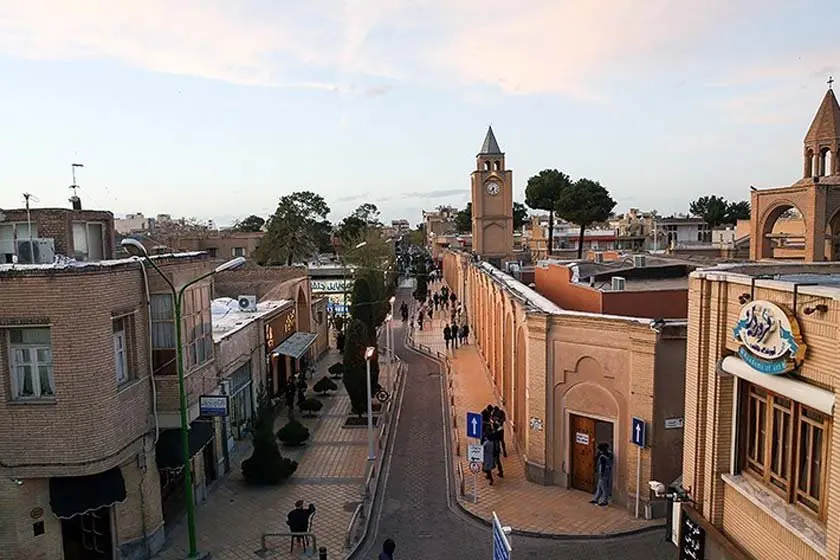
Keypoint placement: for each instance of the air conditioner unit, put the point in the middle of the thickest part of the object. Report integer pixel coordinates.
(639, 261)
(247, 303)
(598, 257)
(618, 283)
(39, 250)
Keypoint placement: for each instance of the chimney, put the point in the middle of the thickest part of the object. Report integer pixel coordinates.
(76, 202)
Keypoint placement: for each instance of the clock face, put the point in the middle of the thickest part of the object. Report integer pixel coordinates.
(493, 188)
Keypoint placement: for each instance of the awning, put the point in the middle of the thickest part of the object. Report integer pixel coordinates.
(296, 345)
(799, 391)
(75, 495)
(170, 451)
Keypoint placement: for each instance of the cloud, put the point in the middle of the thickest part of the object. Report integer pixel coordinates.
(540, 46)
(352, 197)
(440, 193)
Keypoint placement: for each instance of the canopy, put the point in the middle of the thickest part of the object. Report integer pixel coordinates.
(296, 345)
(170, 451)
(76, 495)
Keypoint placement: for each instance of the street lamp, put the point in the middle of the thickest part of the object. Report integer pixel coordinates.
(389, 334)
(136, 249)
(369, 353)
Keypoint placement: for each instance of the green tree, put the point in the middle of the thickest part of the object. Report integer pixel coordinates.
(266, 466)
(355, 368)
(362, 307)
(713, 209)
(543, 191)
(421, 293)
(292, 232)
(520, 215)
(585, 202)
(738, 211)
(323, 233)
(463, 219)
(416, 236)
(356, 226)
(252, 223)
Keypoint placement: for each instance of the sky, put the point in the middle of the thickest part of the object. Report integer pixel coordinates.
(215, 109)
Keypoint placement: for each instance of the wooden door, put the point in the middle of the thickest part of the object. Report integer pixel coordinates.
(582, 438)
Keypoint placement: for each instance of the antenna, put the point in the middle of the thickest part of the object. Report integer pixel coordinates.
(26, 197)
(77, 204)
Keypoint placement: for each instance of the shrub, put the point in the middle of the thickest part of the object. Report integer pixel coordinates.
(336, 370)
(266, 466)
(324, 385)
(310, 406)
(355, 379)
(293, 433)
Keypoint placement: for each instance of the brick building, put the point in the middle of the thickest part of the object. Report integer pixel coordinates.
(761, 450)
(569, 380)
(85, 235)
(222, 244)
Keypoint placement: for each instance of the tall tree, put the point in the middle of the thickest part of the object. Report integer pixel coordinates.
(362, 307)
(585, 202)
(520, 215)
(463, 219)
(421, 292)
(323, 231)
(252, 223)
(292, 233)
(713, 209)
(543, 192)
(738, 211)
(355, 368)
(356, 225)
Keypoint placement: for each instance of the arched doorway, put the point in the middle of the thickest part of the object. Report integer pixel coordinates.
(302, 310)
(782, 233)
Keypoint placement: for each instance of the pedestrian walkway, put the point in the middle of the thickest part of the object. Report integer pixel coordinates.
(331, 473)
(524, 505)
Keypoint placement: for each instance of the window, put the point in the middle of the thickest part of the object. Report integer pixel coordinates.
(88, 241)
(163, 334)
(213, 252)
(198, 326)
(239, 251)
(123, 328)
(31, 362)
(785, 447)
(9, 234)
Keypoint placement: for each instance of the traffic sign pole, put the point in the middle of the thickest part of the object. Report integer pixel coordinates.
(474, 429)
(637, 438)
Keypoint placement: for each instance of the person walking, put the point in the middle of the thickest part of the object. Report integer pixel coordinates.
(486, 418)
(466, 332)
(489, 460)
(420, 316)
(603, 470)
(447, 336)
(499, 417)
(436, 300)
(453, 298)
(388, 548)
(454, 329)
(497, 448)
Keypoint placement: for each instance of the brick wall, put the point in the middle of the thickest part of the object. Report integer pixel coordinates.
(219, 244)
(254, 280)
(57, 223)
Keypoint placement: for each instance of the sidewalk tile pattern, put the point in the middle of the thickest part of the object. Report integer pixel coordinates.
(331, 472)
(524, 505)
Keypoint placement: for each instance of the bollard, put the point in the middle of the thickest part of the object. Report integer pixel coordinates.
(322, 553)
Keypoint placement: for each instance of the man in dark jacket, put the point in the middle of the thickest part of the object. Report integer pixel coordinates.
(603, 471)
(388, 548)
(298, 520)
(447, 335)
(499, 418)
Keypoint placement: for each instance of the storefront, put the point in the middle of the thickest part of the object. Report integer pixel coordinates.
(279, 367)
(760, 396)
(241, 401)
(338, 292)
(170, 463)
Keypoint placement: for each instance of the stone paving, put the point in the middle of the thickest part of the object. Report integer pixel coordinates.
(414, 507)
(525, 506)
(331, 472)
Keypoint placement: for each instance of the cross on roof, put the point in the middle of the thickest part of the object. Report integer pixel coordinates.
(830, 82)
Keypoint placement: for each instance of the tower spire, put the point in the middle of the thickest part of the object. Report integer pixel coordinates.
(490, 146)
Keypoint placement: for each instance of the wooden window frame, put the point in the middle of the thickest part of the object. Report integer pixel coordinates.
(751, 436)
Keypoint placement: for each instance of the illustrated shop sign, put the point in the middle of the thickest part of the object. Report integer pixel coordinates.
(331, 286)
(770, 338)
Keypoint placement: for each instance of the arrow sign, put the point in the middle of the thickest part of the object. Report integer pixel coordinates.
(474, 425)
(637, 432)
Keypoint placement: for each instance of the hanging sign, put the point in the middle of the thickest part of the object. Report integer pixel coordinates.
(771, 341)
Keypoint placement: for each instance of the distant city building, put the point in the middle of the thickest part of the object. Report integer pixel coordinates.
(131, 223)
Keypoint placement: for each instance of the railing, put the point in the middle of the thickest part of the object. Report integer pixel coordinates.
(350, 539)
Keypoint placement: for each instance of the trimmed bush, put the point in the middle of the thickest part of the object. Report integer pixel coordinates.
(293, 434)
(336, 370)
(310, 406)
(324, 385)
(266, 466)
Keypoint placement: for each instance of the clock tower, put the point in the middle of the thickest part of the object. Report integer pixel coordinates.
(492, 204)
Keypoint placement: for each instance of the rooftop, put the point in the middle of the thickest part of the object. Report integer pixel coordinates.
(67, 264)
(228, 319)
(822, 279)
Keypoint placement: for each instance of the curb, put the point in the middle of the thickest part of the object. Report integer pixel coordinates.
(520, 532)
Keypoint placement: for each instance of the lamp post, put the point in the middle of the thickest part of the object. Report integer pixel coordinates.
(369, 353)
(136, 249)
(389, 334)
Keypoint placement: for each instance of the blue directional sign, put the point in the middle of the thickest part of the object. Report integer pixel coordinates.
(474, 425)
(637, 432)
(501, 544)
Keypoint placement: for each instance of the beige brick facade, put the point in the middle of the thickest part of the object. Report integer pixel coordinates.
(57, 224)
(547, 364)
(739, 506)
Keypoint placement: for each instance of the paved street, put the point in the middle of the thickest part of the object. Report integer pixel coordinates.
(418, 510)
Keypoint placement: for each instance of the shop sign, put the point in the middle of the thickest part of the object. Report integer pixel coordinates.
(279, 329)
(339, 285)
(213, 405)
(582, 438)
(771, 341)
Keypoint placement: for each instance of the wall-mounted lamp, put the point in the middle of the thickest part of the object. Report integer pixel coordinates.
(822, 308)
(744, 298)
